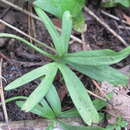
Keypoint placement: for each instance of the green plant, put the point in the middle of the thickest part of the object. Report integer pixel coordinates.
(120, 123)
(50, 107)
(58, 7)
(91, 63)
(113, 3)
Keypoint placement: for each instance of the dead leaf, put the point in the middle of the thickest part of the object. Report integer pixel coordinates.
(127, 18)
(120, 100)
(62, 92)
(56, 22)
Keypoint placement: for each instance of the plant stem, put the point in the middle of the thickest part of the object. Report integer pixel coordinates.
(28, 43)
(14, 98)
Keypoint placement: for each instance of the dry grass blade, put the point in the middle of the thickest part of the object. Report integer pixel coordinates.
(31, 24)
(2, 95)
(93, 94)
(100, 90)
(113, 17)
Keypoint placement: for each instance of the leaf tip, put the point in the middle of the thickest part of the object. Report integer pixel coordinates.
(7, 88)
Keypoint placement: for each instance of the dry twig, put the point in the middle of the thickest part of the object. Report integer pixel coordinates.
(113, 17)
(85, 46)
(106, 26)
(122, 27)
(93, 94)
(2, 95)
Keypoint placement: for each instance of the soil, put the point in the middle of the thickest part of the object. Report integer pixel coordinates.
(19, 59)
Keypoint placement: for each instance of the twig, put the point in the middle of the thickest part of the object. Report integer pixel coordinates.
(106, 26)
(85, 46)
(4, 57)
(98, 87)
(34, 16)
(93, 94)
(4, 13)
(2, 95)
(122, 27)
(113, 17)
(31, 25)
(23, 33)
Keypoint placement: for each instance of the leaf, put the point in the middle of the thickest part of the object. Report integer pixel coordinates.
(70, 127)
(99, 104)
(97, 57)
(66, 30)
(37, 95)
(79, 96)
(47, 109)
(79, 23)
(101, 116)
(51, 29)
(58, 7)
(127, 18)
(36, 110)
(113, 3)
(30, 76)
(54, 100)
(102, 73)
(39, 110)
(69, 113)
(121, 122)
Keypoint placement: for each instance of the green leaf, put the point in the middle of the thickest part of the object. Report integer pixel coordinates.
(70, 127)
(37, 95)
(121, 122)
(79, 23)
(97, 57)
(51, 29)
(47, 109)
(36, 110)
(118, 125)
(102, 73)
(101, 116)
(30, 76)
(79, 96)
(66, 30)
(99, 104)
(69, 113)
(110, 127)
(54, 100)
(58, 7)
(113, 3)
(39, 110)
